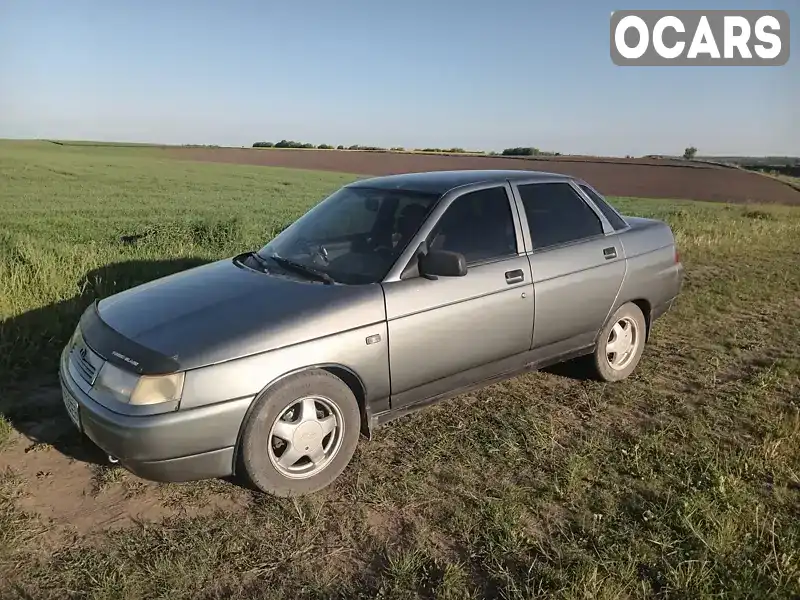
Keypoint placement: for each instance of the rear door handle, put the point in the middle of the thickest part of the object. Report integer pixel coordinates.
(610, 253)
(514, 276)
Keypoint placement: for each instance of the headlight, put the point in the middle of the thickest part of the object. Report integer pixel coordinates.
(76, 335)
(162, 388)
(116, 382)
(130, 388)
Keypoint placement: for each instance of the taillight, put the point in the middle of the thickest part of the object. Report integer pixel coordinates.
(677, 256)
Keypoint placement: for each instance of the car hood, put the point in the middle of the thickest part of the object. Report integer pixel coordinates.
(224, 310)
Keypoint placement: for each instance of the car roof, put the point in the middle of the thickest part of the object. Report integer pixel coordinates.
(440, 182)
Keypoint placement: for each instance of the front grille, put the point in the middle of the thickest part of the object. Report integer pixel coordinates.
(85, 368)
(85, 361)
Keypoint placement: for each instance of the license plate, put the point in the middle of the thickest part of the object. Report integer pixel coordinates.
(72, 407)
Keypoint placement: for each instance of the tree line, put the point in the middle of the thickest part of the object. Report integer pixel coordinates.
(528, 151)
(519, 151)
(294, 144)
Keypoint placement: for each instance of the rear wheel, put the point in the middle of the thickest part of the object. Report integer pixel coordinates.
(301, 434)
(620, 344)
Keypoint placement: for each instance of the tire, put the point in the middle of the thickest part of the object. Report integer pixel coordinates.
(285, 410)
(617, 366)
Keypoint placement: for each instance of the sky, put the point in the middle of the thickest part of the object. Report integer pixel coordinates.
(412, 73)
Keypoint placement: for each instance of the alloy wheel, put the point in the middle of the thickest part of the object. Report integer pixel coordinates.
(306, 437)
(622, 343)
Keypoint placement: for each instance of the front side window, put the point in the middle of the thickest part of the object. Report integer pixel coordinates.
(557, 214)
(354, 236)
(478, 225)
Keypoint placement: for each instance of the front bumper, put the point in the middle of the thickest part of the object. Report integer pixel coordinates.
(178, 446)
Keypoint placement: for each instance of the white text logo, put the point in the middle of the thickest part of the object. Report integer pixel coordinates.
(701, 38)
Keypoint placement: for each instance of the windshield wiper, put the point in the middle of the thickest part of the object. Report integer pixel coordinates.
(257, 257)
(301, 268)
(253, 260)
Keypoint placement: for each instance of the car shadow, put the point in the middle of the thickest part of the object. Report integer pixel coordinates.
(30, 347)
(578, 369)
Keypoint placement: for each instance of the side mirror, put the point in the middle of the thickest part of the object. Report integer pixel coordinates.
(442, 263)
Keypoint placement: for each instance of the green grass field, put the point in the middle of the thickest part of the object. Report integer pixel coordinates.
(683, 481)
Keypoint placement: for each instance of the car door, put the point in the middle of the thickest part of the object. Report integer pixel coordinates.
(446, 331)
(577, 264)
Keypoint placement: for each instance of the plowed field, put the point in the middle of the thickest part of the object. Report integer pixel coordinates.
(644, 178)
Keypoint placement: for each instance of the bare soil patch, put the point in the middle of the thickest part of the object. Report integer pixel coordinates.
(645, 177)
(69, 485)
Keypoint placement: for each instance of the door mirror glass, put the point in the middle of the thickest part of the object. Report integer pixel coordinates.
(442, 263)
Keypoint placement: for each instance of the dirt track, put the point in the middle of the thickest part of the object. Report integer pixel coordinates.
(647, 178)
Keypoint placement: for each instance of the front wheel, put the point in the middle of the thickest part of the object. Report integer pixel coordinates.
(620, 344)
(301, 434)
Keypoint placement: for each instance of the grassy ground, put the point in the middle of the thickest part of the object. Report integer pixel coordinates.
(683, 481)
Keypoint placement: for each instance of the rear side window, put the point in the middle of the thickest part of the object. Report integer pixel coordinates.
(616, 221)
(479, 225)
(557, 214)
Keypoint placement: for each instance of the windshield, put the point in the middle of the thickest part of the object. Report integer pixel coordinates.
(354, 236)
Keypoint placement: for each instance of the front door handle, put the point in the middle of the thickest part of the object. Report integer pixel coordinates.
(610, 253)
(515, 276)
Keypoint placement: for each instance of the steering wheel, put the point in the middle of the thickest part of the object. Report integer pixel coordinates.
(314, 250)
(365, 243)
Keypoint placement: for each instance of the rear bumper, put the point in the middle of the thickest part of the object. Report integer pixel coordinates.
(661, 309)
(176, 446)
